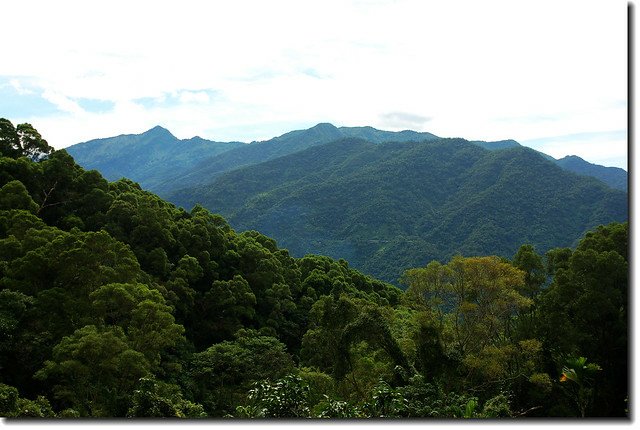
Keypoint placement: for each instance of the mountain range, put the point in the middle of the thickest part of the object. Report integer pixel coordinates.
(384, 201)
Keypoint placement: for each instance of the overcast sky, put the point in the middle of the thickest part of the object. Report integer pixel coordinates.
(551, 74)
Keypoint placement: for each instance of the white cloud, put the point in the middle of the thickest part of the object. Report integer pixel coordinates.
(482, 70)
(17, 86)
(198, 97)
(65, 104)
(403, 120)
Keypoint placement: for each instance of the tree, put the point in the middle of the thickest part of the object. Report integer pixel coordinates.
(557, 258)
(284, 398)
(223, 373)
(94, 371)
(14, 195)
(9, 142)
(429, 288)
(14, 311)
(370, 326)
(531, 264)
(31, 143)
(142, 313)
(584, 312)
(327, 319)
(579, 376)
(22, 141)
(153, 329)
(113, 304)
(154, 399)
(13, 406)
(228, 306)
(481, 293)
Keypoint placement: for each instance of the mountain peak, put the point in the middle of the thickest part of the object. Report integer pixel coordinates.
(324, 129)
(497, 144)
(324, 126)
(158, 131)
(571, 158)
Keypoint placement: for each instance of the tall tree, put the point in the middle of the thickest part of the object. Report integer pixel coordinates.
(22, 141)
(584, 312)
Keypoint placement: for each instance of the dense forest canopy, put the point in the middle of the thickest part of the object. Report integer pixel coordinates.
(116, 303)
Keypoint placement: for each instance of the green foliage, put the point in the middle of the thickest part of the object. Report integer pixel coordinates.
(22, 141)
(8, 400)
(579, 376)
(14, 195)
(386, 402)
(233, 304)
(152, 329)
(472, 299)
(584, 313)
(116, 303)
(527, 260)
(38, 408)
(330, 408)
(94, 370)
(13, 308)
(321, 385)
(154, 399)
(426, 399)
(284, 398)
(222, 373)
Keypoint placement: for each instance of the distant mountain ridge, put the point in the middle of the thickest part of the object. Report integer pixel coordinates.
(162, 163)
(148, 158)
(288, 143)
(615, 177)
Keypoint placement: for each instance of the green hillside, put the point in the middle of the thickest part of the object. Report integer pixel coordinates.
(148, 158)
(615, 177)
(385, 207)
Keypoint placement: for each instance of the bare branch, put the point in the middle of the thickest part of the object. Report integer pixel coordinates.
(46, 197)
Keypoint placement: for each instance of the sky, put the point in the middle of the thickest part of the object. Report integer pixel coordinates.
(551, 74)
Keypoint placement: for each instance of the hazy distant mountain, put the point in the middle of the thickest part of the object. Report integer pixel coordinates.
(373, 135)
(162, 163)
(148, 158)
(289, 143)
(388, 206)
(615, 177)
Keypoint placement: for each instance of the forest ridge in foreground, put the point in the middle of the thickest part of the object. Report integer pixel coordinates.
(116, 303)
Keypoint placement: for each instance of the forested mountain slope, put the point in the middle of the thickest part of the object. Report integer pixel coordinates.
(289, 143)
(615, 177)
(385, 207)
(116, 303)
(148, 158)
